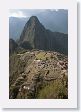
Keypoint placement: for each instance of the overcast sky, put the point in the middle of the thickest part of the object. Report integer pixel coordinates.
(27, 12)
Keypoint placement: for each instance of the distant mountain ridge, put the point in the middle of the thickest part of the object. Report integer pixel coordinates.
(12, 46)
(40, 38)
(16, 25)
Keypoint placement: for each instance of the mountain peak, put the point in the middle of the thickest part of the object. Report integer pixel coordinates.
(32, 28)
(33, 20)
(38, 37)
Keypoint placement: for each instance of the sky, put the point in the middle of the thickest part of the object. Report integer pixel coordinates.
(26, 12)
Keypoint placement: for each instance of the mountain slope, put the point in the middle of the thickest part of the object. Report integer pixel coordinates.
(35, 33)
(12, 46)
(40, 38)
(38, 75)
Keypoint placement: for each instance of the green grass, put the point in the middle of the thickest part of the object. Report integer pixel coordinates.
(41, 56)
(54, 90)
(16, 67)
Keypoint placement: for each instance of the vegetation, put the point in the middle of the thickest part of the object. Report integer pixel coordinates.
(16, 67)
(53, 90)
(41, 56)
(38, 71)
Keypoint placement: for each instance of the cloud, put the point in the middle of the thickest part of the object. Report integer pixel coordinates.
(54, 9)
(24, 12)
(28, 12)
(18, 14)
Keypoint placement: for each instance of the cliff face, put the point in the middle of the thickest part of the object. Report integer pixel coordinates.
(40, 38)
(34, 33)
